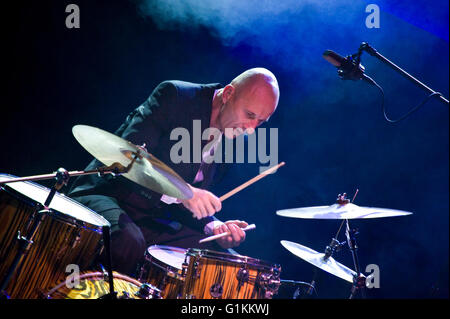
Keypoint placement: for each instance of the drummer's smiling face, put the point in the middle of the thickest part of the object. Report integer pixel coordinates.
(242, 108)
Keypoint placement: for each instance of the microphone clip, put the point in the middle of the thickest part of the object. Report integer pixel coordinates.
(351, 68)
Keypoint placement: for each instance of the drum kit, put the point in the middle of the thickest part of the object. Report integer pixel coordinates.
(44, 233)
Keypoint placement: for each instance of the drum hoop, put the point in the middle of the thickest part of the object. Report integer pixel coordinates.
(163, 247)
(220, 256)
(51, 212)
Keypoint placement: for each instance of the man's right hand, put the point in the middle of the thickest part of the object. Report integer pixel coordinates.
(203, 203)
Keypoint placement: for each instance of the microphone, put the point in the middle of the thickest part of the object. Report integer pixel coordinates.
(348, 67)
(336, 59)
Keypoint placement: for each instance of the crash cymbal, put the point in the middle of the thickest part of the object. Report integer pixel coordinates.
(338, 211)
(146, 171)
(317, 259)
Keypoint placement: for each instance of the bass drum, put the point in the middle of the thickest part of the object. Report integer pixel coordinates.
(95, 285)
(67, 234)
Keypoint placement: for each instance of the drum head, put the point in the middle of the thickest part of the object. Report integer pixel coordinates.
(172, 256)
(60, 202)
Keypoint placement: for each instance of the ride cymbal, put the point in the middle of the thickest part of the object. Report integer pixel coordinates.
(338, 211)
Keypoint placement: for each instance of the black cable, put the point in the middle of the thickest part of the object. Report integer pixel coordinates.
(295, 283)
(409, 112)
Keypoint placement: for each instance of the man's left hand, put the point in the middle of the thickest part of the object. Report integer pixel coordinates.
(236, 237)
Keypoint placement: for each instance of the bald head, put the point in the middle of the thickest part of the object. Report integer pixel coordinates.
(255, 74)
(249, 100)
(257, 79)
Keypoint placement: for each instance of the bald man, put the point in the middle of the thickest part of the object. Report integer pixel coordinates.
(249, 100)
(139, 217)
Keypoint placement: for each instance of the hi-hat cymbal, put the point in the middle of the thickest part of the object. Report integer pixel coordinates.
(338, 211)
(317, 259)
(146, 171)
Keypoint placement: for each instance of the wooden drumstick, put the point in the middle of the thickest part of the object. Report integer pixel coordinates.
(214, 237)
(251, 181)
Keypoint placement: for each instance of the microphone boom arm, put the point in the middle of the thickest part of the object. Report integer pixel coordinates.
(366, 47)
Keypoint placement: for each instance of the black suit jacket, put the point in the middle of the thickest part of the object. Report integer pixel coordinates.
(172, 104)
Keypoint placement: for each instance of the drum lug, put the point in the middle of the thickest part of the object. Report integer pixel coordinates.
(270, 282)
(242, 276)
(216, 290)
(147, 291)
(36, 220)
(105, 273)
(184, 267)
(195, 269)
(76, 240)
(24, 239)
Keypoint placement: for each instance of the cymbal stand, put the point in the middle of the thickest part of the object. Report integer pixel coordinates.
(335, 245)
(113, 169)
(359, 281)
(106, 231)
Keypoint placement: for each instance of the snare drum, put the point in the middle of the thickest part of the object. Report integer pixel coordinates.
(217, 275)
(69, 233)
(163, 268)
(94, 285)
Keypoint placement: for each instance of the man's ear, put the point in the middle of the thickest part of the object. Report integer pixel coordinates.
(227, 93)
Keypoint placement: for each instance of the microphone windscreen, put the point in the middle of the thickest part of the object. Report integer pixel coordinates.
(333, 58)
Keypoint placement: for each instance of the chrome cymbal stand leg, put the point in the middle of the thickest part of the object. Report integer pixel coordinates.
(359, 281)
(107, 242)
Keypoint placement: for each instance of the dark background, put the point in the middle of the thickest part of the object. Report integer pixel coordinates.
(332, 134)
